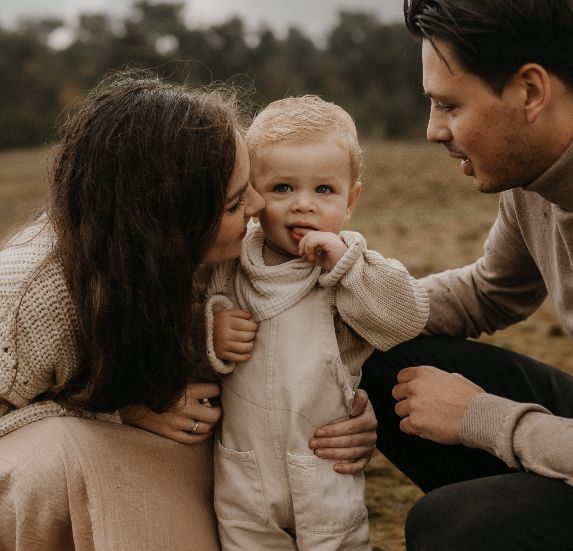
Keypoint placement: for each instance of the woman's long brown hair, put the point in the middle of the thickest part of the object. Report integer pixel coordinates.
(137, 195)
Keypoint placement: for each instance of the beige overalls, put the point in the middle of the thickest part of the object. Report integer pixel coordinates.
(271, 492)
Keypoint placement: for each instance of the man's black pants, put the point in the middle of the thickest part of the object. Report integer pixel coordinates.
(475, 502)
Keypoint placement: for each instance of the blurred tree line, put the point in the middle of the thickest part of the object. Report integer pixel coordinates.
(370, 68)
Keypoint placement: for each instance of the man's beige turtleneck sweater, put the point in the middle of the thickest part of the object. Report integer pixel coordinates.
(528, 254)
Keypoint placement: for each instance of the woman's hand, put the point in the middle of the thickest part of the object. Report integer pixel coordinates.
(189, 421)
(352, 441)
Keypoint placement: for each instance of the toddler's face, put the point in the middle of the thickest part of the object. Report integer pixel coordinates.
(306, 186)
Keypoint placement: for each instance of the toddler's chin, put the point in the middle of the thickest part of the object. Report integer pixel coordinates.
(291, 250)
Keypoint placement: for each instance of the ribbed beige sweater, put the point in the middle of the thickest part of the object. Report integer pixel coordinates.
(528, 254)
(38, 330)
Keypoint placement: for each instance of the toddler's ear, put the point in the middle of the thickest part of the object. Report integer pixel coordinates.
(355, 191)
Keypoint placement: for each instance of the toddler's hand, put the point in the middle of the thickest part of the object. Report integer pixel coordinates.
(322, 249)
(233, 335)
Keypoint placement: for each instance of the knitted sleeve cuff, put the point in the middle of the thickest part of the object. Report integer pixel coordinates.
(41, 410)
(216, 303)
(356, 246)
(376, 296)
(489, 423)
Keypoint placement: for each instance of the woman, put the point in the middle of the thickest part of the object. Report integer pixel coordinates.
(100, 316)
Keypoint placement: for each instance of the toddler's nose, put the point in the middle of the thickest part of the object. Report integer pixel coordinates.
(303, 202)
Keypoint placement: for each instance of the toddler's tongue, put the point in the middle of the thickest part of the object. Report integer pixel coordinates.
(298, 232)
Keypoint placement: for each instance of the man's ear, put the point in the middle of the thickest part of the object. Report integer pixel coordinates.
(355, 191)
(536, 90)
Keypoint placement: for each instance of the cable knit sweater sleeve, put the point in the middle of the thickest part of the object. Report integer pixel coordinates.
(524, 436)
(376, 296)
(38, 337)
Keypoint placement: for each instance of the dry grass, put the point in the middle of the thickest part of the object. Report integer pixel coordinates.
(417, 207)
(22, 186)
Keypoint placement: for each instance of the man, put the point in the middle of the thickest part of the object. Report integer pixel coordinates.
(488, 431)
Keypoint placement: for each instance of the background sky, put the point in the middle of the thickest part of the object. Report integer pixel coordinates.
(314, 17)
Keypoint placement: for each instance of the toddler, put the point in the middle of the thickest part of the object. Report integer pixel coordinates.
(320, 302)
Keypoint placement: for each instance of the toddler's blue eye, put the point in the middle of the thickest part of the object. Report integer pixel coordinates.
(282, 188)
(323, 189)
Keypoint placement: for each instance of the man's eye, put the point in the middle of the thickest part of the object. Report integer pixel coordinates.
(282, 188)
(444, 107)
(323, 189)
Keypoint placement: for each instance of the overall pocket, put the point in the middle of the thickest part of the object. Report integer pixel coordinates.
(238, 486)
(324, 501)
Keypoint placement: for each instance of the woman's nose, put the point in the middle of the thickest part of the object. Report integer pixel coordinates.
(255, 202)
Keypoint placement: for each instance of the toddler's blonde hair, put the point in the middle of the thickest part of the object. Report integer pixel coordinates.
(304, 118)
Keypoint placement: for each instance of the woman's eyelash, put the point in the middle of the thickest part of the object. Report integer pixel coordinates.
(234, 208)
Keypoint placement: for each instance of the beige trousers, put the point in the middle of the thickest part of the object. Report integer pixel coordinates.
(271, 492)
(68, 483)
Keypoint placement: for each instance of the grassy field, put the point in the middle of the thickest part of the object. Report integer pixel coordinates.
(417, 207)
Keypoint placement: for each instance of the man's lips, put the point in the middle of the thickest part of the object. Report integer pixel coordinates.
(466, 165)
(456, 154)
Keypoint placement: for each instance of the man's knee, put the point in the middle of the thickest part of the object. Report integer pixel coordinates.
(434, 525)
(512, 512)
(454, 518)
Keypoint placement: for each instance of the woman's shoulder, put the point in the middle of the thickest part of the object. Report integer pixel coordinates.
(26, 257)
(25, 250)
(38, 323)
(30, 274)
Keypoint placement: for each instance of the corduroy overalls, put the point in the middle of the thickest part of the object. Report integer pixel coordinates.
(271, 492)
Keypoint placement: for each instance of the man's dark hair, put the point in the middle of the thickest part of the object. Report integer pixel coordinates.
(494, 38)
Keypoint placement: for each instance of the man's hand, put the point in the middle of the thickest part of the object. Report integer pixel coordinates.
(352, 440)
(432, 402)
(233, 335)
(322, 249)
(189, 421)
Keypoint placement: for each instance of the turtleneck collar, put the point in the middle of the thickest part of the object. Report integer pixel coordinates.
(556, 183)
(264, 289)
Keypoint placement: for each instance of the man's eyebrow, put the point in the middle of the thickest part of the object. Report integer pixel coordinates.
(428, 94)
(237, 193)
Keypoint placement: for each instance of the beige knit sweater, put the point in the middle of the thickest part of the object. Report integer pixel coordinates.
(374, 300)
(38, 330)
(529, 253)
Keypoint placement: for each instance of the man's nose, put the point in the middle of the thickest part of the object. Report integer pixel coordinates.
(438, 131)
